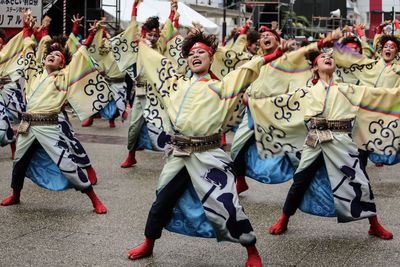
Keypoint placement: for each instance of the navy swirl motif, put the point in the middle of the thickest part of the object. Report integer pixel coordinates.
(273, 135)
(92, 49)
(357, 67)
(96, 86)
(175, 51)
(151, 112)
(30, 64)
(286, 106)
(386, 141)
(232, 60)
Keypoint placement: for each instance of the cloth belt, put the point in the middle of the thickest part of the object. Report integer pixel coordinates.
(320, 130)
(183, 146)
(36, 119)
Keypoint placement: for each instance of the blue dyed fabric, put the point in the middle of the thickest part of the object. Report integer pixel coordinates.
(144, 138)
(108, 111)
(388, 160)
(189, 217)
(45, 173)
(250, 120)
(318, 199)
(273, 170)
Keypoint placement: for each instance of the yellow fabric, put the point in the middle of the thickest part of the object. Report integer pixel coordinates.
(11, 60)
(369, 72)
(285, 74)
(279, 121)
(196, 106)
(100, 51)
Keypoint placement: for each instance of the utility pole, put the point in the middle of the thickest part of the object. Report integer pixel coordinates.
(224, 21)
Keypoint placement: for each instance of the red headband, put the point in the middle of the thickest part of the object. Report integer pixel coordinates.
(61, 55)
(202, 46)
(353, 45)
(276, 37)
(145, 30)
(316, 59)
(390, 42)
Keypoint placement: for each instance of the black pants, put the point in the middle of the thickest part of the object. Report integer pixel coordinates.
(240, 161)
(363, 155)
(20, 167)
(301, 182)
(161, 210)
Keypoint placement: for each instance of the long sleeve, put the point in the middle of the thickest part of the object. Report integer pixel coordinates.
(11, 58)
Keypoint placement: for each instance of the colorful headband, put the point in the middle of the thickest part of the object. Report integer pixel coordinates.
(202, 46)
(390, 42)
(316, 59)
(353, 45)
(263, 29)
(61, 55)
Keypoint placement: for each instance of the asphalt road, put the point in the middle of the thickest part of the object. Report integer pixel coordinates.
(60, 228)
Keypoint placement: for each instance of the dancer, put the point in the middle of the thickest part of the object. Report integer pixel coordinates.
(99, 50)
(342, 188)
(41, 142)
(198, 109)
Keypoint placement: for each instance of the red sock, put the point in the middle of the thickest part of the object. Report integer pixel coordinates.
(13, 199)
(281, 226)
(125, 115)
(241, 184)
(88, 122)
(91, 175)
(111, 122)
(253, 258)
(130, 160)
(376, 229)
(13, 148)
(223, 140)
(97, 205)
(145, 250)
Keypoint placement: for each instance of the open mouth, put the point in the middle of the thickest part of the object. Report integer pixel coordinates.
(329, 63)
(267, 42)
(51, 60)
(388, 54)
(196, 62)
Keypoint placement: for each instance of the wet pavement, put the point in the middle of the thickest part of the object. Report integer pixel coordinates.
(60, 228)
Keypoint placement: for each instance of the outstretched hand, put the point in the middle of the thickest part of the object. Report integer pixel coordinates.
(76, 19)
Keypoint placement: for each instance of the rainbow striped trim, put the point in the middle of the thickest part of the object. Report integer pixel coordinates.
(226, 97)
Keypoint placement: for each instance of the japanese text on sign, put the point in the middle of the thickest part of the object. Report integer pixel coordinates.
(11, 12)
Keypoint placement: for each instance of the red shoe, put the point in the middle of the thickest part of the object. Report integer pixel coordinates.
(378, 164)
(88, 123)
(13, 199)
(128, 106)
(223, 140)
(125, 115)
(130, 160)
(253, 257)
(111, 122)
(281, 226)
(377, 229)
(145, 250)
(99, 208)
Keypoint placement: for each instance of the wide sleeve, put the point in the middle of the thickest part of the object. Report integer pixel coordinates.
(32, 66)
(240, 44)
(88, 92)
(11, 58)
(279, 123)
(227, 60)
(96, 45)
(124, 46)
(283, 75)
(377, 126)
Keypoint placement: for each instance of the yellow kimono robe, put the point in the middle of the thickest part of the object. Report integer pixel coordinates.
(83, 87)
(348, 185)
(199, 106)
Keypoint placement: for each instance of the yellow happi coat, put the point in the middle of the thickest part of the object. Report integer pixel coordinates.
(285, 131)
(199, 106)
